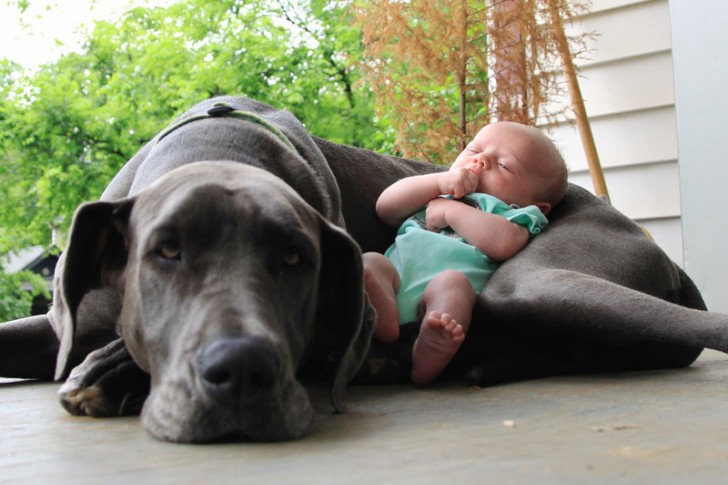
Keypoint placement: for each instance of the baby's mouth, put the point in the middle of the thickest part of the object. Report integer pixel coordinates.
(474, 166)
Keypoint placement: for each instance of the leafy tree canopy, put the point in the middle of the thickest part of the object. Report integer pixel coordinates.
(68, 126)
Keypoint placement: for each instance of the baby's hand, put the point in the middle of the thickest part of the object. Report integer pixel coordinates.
(435, 214)
(458, 182)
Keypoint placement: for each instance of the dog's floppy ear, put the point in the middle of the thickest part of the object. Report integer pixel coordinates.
(344, 314)
(96, 254)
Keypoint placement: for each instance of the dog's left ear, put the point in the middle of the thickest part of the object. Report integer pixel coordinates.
(95, 256)
(344, 318)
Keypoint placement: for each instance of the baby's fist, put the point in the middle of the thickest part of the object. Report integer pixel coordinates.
(458, 182)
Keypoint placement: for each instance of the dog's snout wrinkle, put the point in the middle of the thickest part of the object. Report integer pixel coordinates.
(238, 370)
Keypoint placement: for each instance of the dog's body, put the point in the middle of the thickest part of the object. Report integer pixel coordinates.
(574, 300)
(231, 282)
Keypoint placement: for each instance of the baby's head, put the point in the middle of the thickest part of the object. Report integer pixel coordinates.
(516, 163)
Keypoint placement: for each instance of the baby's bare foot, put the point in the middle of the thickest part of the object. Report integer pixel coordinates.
(439, 339)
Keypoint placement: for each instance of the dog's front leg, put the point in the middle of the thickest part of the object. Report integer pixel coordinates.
(107, 383)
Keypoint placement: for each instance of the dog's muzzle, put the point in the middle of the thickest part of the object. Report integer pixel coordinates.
(239, 371)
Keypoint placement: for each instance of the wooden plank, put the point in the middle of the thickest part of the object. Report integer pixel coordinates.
(630, 138)
(625, 85)
(602, 5)
(641, 192)
(635, 30)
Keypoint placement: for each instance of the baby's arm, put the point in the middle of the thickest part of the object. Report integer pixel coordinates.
(406, 196)
(494, 235)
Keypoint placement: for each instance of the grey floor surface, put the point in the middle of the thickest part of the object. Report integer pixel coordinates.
(649, 427)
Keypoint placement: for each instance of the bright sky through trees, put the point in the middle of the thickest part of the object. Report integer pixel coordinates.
(48, 28)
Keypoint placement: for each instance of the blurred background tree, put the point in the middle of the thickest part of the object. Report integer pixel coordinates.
(442, 69)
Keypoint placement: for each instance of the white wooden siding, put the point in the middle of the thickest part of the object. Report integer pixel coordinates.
(648, 135)
(627, 84)
(637, 28)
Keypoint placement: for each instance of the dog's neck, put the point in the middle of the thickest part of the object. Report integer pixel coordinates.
(222, 109)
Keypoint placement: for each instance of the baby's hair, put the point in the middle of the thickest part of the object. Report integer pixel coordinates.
(563, 178)
(557, 184)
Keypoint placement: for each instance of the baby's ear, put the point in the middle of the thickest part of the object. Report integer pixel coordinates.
(544, 207)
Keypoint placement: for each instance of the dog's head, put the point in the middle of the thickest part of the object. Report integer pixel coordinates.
(231, 285)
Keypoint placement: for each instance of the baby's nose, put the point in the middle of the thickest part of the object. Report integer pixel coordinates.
(474, 165)
(483, 161)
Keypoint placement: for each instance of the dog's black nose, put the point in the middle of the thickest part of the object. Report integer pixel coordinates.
(239, 369)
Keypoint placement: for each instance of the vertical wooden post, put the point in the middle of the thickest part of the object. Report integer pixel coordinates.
(577, 102)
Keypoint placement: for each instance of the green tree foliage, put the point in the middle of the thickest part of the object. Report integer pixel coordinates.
(17, 291)
(68, 126)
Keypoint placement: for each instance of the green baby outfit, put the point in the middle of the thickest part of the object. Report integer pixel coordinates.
(419, 254)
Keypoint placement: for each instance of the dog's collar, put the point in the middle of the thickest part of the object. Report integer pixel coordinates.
(222, 109)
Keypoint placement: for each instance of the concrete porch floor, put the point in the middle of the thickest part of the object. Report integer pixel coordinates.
(648, 427)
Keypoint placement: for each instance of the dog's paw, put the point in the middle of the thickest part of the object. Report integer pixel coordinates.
(107, 383)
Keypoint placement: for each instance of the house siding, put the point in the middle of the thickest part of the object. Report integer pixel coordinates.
(627, 83)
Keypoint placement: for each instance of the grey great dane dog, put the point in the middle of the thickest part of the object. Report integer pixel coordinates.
(217, 255)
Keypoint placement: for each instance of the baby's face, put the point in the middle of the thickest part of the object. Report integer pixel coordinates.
(508, 160)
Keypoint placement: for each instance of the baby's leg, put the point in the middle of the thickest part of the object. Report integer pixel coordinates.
(381, 282)
(448, 303)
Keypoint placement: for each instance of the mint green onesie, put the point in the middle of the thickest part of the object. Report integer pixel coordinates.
(419, 254)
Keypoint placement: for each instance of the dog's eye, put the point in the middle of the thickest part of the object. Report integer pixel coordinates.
(291, 257)
(169, 250)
